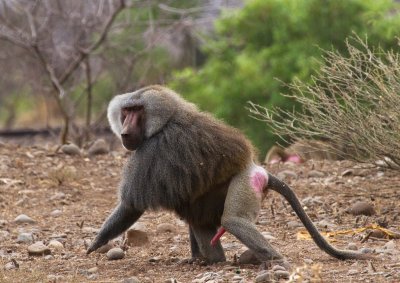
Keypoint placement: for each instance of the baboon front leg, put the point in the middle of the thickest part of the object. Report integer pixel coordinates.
(194, 246)
(121, 219)
(203, 236)
(242, 205)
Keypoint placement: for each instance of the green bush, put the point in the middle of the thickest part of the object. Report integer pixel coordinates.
(258, 50)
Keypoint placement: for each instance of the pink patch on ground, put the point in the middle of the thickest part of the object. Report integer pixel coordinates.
(258, 181)
(215, 239)
(294, 158)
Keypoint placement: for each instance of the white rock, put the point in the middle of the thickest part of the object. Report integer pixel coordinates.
(25, 238)
(56, 213)
(391, 245)
(38, 248)
(56, 245)
(115, 253)
(22, 218)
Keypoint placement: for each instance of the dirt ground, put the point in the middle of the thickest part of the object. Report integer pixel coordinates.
(83, 190)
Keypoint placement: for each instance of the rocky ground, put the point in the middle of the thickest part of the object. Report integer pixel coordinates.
(52, 204)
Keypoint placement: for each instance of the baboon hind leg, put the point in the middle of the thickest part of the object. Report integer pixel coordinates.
(242, 205)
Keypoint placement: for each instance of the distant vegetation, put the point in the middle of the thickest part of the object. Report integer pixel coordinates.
(258, 50)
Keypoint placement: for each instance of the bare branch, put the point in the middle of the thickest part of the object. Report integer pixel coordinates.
(85, 52)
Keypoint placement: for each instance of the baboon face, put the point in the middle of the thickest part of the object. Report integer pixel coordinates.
(133, 125)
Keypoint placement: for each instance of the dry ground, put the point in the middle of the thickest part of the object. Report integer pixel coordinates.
(35, 181)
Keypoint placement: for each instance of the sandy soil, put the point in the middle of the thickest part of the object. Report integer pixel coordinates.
(36, 181)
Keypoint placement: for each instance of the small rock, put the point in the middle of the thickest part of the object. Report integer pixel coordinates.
(294, 224)
(248, 257)
(57, 196)
(93, 270)
(278, 267)
(48, 257)
(139, 226)
(99, 147)
(56, 213)
(376, 233)
(54, 244)
(308, 261)
(90, 230)
(325, 224)
(281, 274)
(352, 247)
(237, 278)
(38, 249)
(347, 172)
(165, 227)
(391, 245)
(265, 277)
(70, 149)
(315, 174)
(136, 238)
(10, 265)
(353, 272)
(362, 208)
(170, 280)
(115, 253)
(22, 218)
(287, 174)
(25, 238)
(4, 235)
(132, 279)
(104, 248)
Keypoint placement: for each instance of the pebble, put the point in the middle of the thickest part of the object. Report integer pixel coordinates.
(56, 213)
(376, 233)
(308, 261)
(315, 174)
(165, 227)
(278, 267)
(325, 224)
(10, 265)
(38, 248)
(353, 272)
(248, 257)
(285, 174)
(281, 274)
(70, 149)
(264, 277)
(352, 247)
(136, 238)
(48, 257)
(99, 147)
(57, 196)
(139, 226)
(93, 270)
(294, 224)
(391, 245)
(115, 253)
(4, 235)
(132, 279)
(22, 218)
(362, 208)
(25, 238)
(237, 278)
(54, 244)
(104, 248)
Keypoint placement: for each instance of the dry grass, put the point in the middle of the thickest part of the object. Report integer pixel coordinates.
(352, 105)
